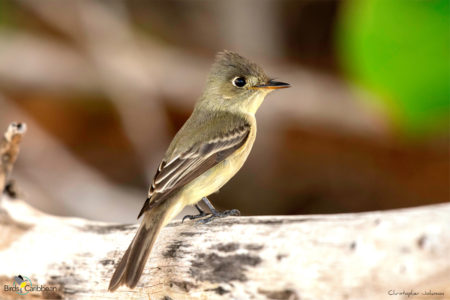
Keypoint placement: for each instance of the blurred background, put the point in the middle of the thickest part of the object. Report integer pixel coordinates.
(104, 85)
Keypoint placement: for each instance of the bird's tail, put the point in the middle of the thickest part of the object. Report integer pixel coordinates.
(130, 267)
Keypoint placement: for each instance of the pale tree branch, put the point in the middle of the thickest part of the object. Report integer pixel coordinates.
(348, 256)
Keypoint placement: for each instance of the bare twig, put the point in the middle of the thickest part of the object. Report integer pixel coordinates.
(9, 150)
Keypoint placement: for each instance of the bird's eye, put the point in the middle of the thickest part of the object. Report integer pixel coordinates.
(239, 82)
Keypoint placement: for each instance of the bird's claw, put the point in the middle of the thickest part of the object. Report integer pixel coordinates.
(193, 217)
(216, 214)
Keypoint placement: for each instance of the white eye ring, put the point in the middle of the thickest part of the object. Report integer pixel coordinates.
(239, 81)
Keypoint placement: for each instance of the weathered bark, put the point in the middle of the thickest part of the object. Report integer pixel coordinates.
(348, 256)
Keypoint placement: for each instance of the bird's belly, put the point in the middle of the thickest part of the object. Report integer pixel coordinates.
(212, 180)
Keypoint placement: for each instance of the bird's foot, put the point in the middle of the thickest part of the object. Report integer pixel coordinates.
(201, 214)
(219, 214)
(193, 217)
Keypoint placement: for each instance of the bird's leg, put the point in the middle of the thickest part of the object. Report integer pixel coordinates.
(213, 215)
(201, 214)
(217, 214)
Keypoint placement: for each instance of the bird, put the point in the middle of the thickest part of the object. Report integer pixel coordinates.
(204, 155)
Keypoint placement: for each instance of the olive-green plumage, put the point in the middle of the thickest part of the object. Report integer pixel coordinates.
(205, 154)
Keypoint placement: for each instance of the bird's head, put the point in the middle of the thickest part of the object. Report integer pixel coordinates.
(234, 82)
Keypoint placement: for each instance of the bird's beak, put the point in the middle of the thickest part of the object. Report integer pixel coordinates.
(273, 85)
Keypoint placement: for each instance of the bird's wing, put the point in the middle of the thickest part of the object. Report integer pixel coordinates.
(182, 169)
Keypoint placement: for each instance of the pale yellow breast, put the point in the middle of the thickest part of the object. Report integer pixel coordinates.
(212, 180)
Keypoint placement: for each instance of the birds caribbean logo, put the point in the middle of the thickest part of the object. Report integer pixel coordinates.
(21, 282)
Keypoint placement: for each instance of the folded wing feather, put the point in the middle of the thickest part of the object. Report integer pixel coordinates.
(179, 171)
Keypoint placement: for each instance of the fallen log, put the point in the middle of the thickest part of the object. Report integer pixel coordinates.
(348, 256)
